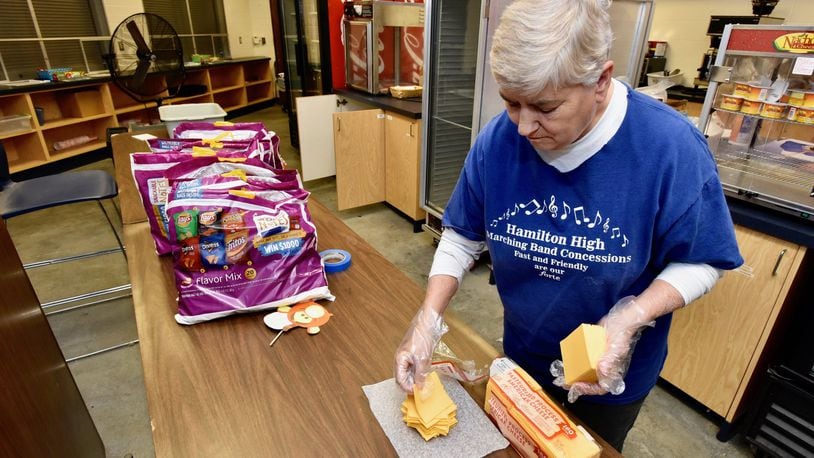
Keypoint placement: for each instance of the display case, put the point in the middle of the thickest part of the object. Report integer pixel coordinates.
(383, 44)
(759, 116)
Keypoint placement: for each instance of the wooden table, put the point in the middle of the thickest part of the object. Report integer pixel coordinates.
(217, 389)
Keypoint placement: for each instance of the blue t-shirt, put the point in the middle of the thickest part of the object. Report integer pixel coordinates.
(567, 246)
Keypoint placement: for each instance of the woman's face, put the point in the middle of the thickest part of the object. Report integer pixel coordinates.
(554, 119)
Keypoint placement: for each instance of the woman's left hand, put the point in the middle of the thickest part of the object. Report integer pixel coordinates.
(623, 326)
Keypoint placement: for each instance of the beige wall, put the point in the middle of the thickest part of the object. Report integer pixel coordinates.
(683, 24)
(117, 10)
(245, 19)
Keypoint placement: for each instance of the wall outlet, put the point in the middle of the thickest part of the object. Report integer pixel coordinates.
(256, 40)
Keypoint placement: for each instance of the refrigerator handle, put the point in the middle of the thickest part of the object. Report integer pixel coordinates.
(299, 59)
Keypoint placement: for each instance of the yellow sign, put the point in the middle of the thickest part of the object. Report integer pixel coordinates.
(799, 43)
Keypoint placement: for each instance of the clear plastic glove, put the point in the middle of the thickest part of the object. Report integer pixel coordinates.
(623, 326)
(414, 355)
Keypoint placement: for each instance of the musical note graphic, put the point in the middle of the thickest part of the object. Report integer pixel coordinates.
(624, 241)
(566, 210)
(597, 220)
(514, 212)
(580, 219)
(552, 208)
(615, 233)
(606, 226)
(493, 223)
(537, 208)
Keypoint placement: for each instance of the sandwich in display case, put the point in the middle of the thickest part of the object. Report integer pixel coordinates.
(758, 116)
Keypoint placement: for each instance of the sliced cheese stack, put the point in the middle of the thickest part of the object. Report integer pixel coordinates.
(430, 410)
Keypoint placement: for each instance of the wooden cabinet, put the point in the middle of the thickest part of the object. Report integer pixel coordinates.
(377, 159)
(715, 343)
(359, 145)
(89, 108)
(402, 164)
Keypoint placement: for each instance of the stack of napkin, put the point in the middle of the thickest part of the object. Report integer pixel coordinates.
(430, 410)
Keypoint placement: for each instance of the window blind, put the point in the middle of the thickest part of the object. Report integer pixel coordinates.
(64, 18)
(62, 22)
(69, 19)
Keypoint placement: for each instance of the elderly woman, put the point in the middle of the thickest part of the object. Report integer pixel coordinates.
(597, 205)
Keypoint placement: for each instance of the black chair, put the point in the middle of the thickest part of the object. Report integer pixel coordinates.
(19, 198)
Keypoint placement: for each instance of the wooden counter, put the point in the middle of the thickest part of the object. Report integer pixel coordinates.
(218, 389)
(410, 107)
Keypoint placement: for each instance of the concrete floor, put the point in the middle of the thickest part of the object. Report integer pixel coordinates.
(112, 383)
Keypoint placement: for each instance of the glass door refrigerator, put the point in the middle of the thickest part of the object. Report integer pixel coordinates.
(306, 54)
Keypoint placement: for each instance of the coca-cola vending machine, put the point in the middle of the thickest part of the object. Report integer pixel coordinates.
(384, 43)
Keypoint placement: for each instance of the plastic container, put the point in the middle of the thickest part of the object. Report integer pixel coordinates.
(758, 92)
(741, 89)
(14, 123)
(797, 97)
(751, 106)
(732, 102)
(657, 77)
(805, 115)
(773, 110)
(172, 115)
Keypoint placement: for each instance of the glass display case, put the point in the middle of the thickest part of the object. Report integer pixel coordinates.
(759, 116)
(383, 44)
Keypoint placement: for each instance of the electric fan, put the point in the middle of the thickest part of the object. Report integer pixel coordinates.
(145, 58)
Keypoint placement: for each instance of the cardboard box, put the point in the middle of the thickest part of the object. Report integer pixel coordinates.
(123, 145)
(529, 419)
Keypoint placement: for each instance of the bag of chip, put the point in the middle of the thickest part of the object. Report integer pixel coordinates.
(153, 187)
(268, 259)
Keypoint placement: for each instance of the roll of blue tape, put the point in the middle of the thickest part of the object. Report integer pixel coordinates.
(335, 260)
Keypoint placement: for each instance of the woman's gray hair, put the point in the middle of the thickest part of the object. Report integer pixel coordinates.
(551, 43)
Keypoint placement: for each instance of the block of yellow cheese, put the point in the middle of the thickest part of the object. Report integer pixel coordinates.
(581, 351)
(530, 420)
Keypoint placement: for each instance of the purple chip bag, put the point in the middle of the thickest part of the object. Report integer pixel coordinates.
(148, 171)
(269, 259)
(211, 165)
(250, 148)
(220, 131)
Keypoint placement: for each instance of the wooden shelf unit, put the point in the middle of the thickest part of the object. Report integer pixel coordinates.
(90, 108)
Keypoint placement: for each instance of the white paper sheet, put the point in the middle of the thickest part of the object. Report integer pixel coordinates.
(473, 436)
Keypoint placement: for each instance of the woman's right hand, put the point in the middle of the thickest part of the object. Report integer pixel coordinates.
(414, 355)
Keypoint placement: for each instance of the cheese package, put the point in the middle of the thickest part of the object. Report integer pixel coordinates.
(532, 422)
(581, 351)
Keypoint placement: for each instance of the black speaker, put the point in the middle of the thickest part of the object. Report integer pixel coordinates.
(763, 7)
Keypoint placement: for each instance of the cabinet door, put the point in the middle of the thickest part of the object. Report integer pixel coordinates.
(715, 342)
(402, 162)
(314, 118)
(359, 150)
